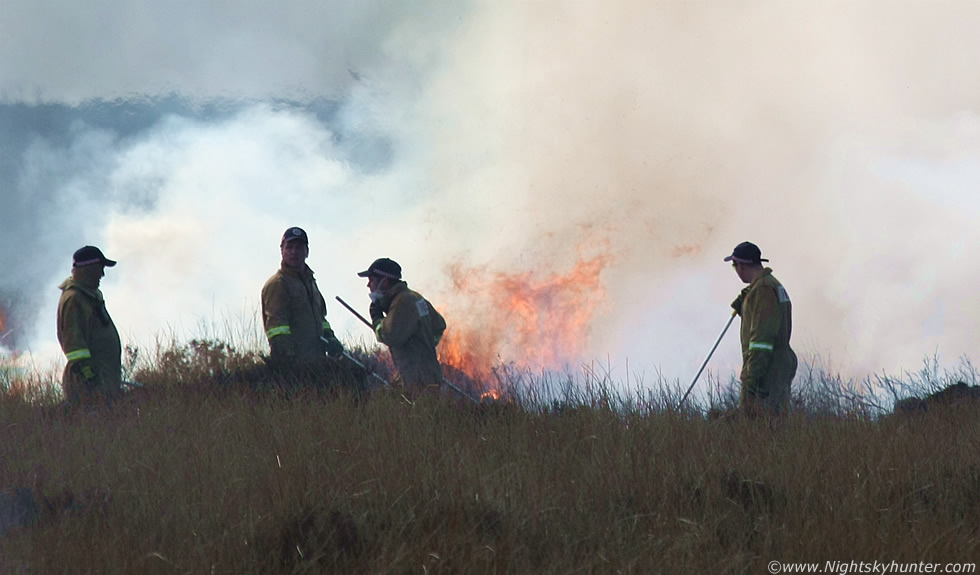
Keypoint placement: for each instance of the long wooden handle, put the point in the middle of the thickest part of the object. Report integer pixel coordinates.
(354, 311)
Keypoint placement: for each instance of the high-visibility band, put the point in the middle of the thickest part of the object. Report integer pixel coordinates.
(79, 354)
(760, 345)
(326, 325)
(278, 330)
(377, 330)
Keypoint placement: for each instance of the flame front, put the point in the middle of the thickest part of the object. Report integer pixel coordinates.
(523, 320)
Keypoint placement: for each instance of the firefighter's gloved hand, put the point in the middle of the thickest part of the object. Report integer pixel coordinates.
(376, 312)
(737, 304)
(85, 371)
(332, 345)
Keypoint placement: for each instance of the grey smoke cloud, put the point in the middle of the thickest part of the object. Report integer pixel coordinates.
(843, 139)
(62, 51)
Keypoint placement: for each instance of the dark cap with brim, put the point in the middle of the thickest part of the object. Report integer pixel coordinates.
(746, 253)
(294, 234)
(383, 267)
(90, 255)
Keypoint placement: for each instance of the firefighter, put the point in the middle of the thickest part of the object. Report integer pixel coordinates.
(294, 313)
(87, 335)
(406, 322)
(768, 362)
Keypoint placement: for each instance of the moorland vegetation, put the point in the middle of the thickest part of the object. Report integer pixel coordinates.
(201, 471)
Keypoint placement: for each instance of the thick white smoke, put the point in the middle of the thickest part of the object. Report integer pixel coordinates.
(198, 209)
(842, 139)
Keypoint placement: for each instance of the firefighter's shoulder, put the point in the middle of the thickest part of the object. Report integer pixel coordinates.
(275, 282)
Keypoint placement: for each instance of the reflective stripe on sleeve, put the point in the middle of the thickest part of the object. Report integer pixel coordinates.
(760, 345)
(278, 330)
(79, 354)
(377, 330)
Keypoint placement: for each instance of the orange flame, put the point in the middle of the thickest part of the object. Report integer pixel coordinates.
(520, 319)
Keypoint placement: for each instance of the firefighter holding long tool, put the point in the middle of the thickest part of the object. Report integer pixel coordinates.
(407, 323)
(768, 361)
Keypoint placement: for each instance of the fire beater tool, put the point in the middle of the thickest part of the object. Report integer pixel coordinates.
(354, 311)
(367, 323)
(354, 360)
(710, 353)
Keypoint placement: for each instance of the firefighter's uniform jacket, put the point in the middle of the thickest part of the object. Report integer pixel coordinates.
(411, 329)
(86, 332)
(768, 362)
(294, 314)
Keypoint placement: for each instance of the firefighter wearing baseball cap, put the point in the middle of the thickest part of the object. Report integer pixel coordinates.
(768, 361)
(406, 322)
(87, 335)
(294, 313)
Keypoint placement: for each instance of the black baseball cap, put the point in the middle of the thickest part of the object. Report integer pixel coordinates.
(294, 234)
(746, 253)
(90, 255)
(383, 267)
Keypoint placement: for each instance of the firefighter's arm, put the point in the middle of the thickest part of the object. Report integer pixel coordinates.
(275, 320)
(331, 345)
(762, 311)
(400, 323)
(74, 341)
(737, 304)
(377, 319)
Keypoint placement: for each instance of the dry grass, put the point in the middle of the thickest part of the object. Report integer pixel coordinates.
(200, 478)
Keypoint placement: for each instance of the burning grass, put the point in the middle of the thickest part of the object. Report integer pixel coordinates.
(207, 478)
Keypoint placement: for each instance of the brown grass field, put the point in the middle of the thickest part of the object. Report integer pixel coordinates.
(187, 476)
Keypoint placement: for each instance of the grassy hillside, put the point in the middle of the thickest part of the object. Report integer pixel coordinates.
(188, 476)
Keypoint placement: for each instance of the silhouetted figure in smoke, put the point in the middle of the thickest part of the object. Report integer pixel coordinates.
(407, 323)
(768, 362)
(87, 335)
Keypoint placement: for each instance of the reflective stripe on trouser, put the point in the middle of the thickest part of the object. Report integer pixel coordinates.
(760, 345)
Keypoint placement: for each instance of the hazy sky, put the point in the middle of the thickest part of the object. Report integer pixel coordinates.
(507, 138)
